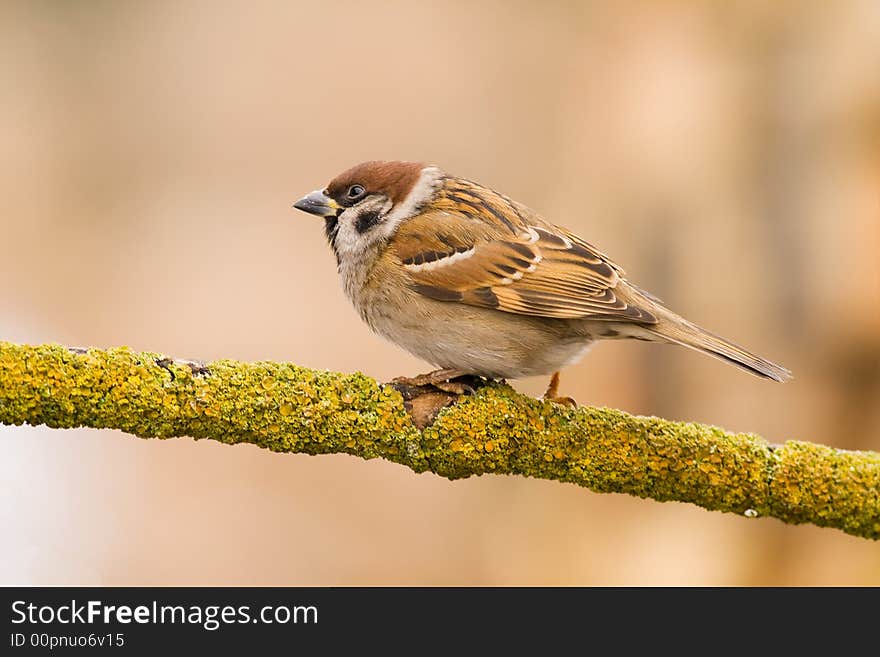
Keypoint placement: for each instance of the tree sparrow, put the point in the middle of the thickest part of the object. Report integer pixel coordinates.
(478, 284)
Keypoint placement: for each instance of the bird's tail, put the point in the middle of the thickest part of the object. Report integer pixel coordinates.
(677, 330)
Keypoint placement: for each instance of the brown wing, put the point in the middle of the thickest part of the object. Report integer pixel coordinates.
(480, 248)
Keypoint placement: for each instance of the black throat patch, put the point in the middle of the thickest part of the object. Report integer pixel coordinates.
(366, 220)
(331, 229)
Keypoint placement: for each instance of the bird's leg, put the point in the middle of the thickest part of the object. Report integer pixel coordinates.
(552, 393)
(444, 380)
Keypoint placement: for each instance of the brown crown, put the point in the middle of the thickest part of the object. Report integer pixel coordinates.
(394, 179)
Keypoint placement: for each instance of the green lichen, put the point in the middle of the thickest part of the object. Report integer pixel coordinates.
(286, 408)
(828, 487)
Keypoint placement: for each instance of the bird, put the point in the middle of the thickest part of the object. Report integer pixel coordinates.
(480, 285)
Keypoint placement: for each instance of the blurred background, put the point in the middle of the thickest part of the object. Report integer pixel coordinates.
(727, 155)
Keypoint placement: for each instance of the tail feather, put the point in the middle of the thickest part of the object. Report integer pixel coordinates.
(677, 330)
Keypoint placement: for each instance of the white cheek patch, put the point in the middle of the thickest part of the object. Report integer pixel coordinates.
(348, 238)
(441, 262)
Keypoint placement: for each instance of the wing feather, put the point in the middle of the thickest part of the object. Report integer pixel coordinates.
(478, 247)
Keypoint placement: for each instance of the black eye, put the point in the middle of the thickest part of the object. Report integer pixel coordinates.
(355, 192)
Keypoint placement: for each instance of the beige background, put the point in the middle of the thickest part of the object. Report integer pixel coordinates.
(726, 154)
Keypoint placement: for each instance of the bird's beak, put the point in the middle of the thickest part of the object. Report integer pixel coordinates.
(318, 203)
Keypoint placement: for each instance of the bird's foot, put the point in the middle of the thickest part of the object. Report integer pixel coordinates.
(455, 382)
(552, 393)
(425, 395)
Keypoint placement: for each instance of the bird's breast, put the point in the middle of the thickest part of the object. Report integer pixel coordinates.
(477, 340)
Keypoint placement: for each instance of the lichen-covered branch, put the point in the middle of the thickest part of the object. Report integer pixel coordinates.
(286, 408)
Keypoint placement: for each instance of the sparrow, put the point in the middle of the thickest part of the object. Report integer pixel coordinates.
(478, 284)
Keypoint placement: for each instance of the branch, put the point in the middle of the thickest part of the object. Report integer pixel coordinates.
(286, 408)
